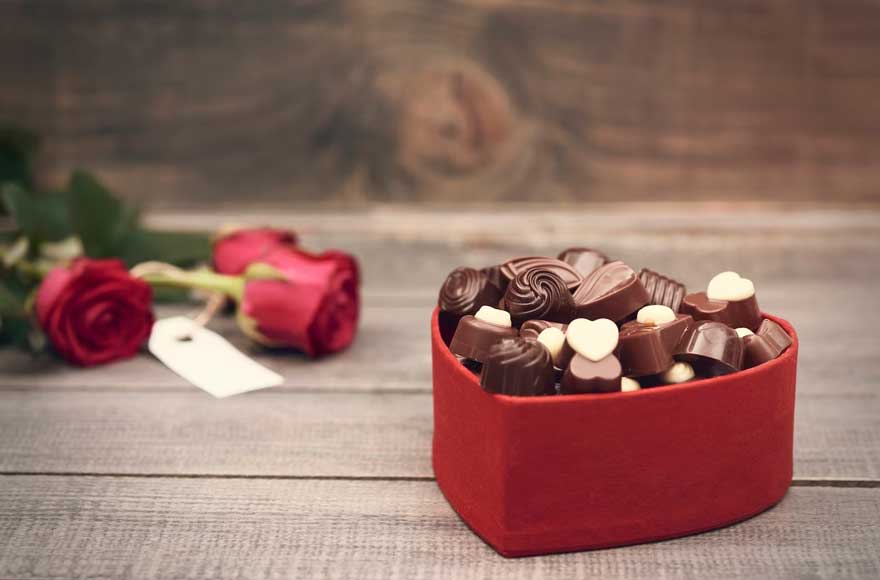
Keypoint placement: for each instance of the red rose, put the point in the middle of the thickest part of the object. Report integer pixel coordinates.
(311, 304)
(94, 312)
(235, 251)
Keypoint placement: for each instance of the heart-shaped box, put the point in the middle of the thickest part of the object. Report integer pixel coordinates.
(538, 475)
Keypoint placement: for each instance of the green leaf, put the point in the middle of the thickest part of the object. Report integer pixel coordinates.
(17, 148)
(11, 301)
(101, 220)
(182, 249)
(40, 217)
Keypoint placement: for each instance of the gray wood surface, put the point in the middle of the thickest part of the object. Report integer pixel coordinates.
(195, 101)
(125, 470)
(231, 528)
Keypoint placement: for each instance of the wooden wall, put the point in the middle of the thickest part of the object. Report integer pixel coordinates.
(185, 102)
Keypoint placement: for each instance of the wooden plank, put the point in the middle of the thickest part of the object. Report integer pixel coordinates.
(345, 101)
(173, 528)
(837, 437)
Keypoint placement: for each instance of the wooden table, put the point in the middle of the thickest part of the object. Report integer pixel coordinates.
(127, 471)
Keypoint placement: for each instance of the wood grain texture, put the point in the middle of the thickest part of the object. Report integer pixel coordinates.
(192, 528)
(285, 434)
(345, 101)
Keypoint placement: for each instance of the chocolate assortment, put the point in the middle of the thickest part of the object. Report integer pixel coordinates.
(581, 323)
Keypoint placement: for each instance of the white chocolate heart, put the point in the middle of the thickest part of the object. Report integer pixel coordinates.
(553, 339)
(594, 339)
(743, 332)
(680, 372)
(655, 315)
(627, 384)
(730, 286)
(493, 316)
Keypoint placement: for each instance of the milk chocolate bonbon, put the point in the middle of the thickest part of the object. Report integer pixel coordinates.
(538, 293)
(769, 342)
(519, 367)
(662, 290)
(511, 268)
(612, 291)
(474, 337)
(712, 348)
(584, 260)
(647, 349)
(739, 313)
(586, 376)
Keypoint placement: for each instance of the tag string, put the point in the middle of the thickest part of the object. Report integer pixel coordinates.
(201, 317)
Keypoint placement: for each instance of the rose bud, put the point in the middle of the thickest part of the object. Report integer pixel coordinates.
(94, 311)
(235, 250)
(293, 299)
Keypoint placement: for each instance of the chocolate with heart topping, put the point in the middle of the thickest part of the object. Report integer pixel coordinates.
(613, 291)
(734, 313)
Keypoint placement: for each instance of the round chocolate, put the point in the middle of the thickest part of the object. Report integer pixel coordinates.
(584, 260)
(465, 290)
(538, 293)
(613, 291)
(518, 367)
(712, 348)
(511, 268)
(474, 337)
(662, 290)
(586, 376)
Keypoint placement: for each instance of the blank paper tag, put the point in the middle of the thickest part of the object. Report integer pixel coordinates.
(206, 359)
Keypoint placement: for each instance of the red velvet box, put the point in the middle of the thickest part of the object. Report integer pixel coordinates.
(578, 472)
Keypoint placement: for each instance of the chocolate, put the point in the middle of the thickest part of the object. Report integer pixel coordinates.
(712, 348)
(511, 268)
(496, 278)
(584, 260)
(473, 338)
(646, 349)
(662, 290)
(538, 293)
(734, 313)
(769, 342)
(586, 376)
(532, 328)
(613, 291)
(519, 367)
(465, 290)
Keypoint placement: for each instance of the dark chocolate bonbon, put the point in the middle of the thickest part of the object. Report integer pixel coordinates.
(647, 349)
(532, 328)
(474, 337)
(511, 268)
(538, 293)
(519, 367)
(586, 376)
(662, 290)
(712, 348)
(738, 313)
(584, 260)
(769, 342)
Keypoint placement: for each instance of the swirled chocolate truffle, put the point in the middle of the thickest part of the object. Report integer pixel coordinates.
(465, 290)
(662, 290)
(519, 367)
(511, 268)
(538, 293)
(462, 293)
